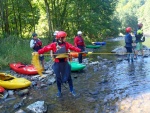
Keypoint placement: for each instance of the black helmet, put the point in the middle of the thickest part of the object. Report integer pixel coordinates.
(34, 34)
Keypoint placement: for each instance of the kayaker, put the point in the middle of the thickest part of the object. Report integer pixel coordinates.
(79, 42)
(128, 44)
(61, 67)
(139, 39)
(36, 44)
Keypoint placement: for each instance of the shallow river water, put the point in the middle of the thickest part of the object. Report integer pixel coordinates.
(112, 86)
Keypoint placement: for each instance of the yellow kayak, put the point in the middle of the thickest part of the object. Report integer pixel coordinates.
(11, 82)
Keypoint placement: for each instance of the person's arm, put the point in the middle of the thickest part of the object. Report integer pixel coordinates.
(73, 48)
(131, 39)
(32, 43)
(46, 48)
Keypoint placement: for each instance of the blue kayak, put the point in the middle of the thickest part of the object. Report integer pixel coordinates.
(99, 43)
(76, 66)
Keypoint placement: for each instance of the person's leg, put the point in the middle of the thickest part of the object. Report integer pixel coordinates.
(58, 78)
(137, 48)
(141, 49)
(131, 54)
(80, 58)
(41, 58)
(68, 73)
(128, 54)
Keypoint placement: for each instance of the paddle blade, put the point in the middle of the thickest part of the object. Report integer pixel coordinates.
(35, 61)
(89, 52)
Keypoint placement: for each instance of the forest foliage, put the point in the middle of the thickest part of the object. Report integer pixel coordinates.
(98, 19)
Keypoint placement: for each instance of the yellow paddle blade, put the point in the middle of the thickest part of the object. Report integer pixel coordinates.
(89, 52)
(62, 56)
(35, 61)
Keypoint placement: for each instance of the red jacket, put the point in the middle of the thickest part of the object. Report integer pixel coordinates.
(52, 47)
(79, 41)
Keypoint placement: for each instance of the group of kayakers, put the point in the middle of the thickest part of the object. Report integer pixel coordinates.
(59, 49)
(133, 47)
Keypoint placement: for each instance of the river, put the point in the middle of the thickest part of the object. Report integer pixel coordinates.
(111, 86)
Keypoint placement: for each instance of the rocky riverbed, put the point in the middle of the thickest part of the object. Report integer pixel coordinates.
(104, 86)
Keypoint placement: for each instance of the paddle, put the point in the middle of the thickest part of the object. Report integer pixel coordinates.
(35, 61)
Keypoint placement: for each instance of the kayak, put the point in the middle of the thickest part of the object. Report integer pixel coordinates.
(75, 54)
(11, 82)
(1, 89)
(23, 69)
(75, 66)
(99, 43)
(93, 46)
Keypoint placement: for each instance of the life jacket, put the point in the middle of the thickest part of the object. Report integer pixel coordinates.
(61, 51)
(139, 35)
(38, 44)
(80, 41)
(127, 39)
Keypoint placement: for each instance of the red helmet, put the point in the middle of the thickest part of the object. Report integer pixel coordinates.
(61, 34)
(128, 29)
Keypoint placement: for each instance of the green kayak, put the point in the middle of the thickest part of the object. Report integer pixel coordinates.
(75, 66)
(93, 46)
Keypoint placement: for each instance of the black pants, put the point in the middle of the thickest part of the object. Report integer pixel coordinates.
(80, 54)
(63, 74)
(129, 53)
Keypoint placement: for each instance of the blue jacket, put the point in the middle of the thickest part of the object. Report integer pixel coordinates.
(128, 40)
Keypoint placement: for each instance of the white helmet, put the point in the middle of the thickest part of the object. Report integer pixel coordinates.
(55, 33)
(79, 32)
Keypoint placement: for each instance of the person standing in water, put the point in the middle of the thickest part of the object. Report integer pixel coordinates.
(128, 44)
(139, 39)
(61, 67)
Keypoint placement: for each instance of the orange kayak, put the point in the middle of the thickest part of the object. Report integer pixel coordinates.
(76, 54)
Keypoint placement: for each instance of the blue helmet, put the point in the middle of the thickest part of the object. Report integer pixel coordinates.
(34, 34)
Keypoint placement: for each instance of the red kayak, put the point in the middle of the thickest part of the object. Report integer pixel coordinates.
(1, 89)
(23, 69)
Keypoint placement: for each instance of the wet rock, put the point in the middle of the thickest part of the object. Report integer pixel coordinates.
(5, 95)
(95, 69)
(10, 92)
(51, 80)
(38, 107)
(94, 92)
(20, 111)
(94, 63)
(43, 85)
(34, 83)
(9, 99)
(23, 92)
(90, 99)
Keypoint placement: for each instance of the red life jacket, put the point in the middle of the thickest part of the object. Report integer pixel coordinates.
(79, 41)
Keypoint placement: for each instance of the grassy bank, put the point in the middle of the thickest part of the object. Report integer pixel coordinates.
(14, 49)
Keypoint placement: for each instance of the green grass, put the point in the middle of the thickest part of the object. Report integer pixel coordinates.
(14, 49)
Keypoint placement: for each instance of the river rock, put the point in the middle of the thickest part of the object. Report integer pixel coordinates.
(38, 107)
